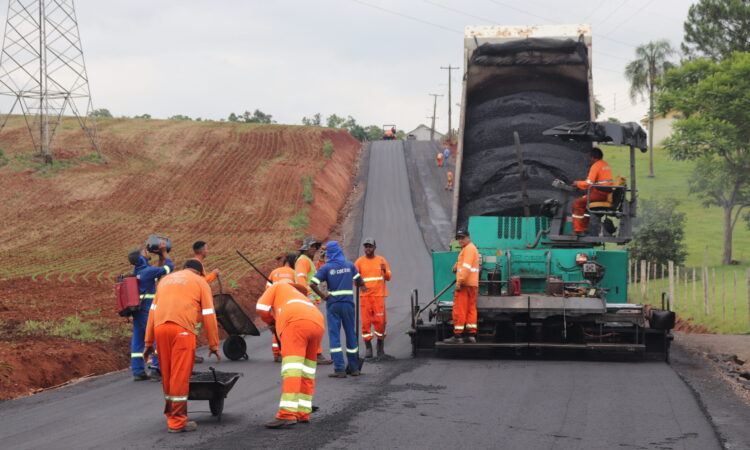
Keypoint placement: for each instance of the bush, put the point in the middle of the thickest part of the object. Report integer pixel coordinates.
(659, 233)
(327, 149)
(307, 189)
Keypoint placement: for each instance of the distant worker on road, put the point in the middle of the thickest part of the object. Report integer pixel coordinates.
(200, 253)
(599, 175)
(285, 272)
(393, 131)
(375, 272)
(147, 276)
(340, 275)
(449, 182)
(304, 270)
(299, 325)
(440, 159)
(465, 295)
(182, 298)
(446, 154)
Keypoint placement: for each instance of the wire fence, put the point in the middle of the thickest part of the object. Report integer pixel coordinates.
(718, 299)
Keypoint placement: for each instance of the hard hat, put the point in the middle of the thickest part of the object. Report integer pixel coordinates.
(369, 241)
(308, 243)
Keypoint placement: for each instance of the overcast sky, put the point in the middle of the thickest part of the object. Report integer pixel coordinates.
(374, 60)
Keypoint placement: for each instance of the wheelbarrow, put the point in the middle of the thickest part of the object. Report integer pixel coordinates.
(212, 386)
(235, 322)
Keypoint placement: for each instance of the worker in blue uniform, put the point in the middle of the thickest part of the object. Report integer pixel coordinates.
(147, 276)
(340, 276)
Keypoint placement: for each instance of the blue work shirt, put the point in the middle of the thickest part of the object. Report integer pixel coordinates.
(148, 275)
(339, 273)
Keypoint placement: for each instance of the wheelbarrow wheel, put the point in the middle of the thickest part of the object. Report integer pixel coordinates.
(234, 347)
(216, 405)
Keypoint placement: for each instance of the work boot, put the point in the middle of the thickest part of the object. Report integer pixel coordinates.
(189, 426)
(455, 339)
(280, 423)
(155, 375)
(277, 358)
(381, 351)
(198, 359)
(337, 374)
(355, 373)
(471, 339)
(368, 349)
(141, 377)
(322, 361)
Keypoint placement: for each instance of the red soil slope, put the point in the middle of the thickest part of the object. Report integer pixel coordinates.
(66, 232)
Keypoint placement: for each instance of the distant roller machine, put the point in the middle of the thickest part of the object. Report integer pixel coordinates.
(389, 132)
(526, 121)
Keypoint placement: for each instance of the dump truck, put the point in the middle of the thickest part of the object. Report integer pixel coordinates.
(526, 129)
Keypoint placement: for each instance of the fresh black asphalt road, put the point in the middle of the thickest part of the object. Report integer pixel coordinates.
(408, 403)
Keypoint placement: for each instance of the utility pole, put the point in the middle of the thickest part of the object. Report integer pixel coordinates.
(450, 127)
(434, 112)
(43, 72)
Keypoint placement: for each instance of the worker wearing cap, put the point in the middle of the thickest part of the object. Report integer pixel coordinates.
(467, 288)
(599, 175)
(200, 253)
(375, 272)
(304, 270)
(181, 299)
(340, 275)
(147, 276)
(449, 183)
(299, 325)
(285, 272)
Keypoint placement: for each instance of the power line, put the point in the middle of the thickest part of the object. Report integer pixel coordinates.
(613, 11)
(406, 16)
(623, 22)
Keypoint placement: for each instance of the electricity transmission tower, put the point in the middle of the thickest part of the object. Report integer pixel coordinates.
(43, 72)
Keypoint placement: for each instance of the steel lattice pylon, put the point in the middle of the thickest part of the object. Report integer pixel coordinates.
(43, 71)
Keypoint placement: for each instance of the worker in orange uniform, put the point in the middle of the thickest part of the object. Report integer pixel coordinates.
(465, 295)
(285, 272)
(375, 272)
(440, 159)
(304, 270)
(200, 252)
(599, 175)
(180, 299)
(300, 326)
(321, 258)
(449, 183)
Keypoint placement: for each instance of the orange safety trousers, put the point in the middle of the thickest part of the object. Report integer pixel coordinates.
(580, 215)
(372, 310)
(176, 347)
(299, 350)
(465, 310)
(275, 345)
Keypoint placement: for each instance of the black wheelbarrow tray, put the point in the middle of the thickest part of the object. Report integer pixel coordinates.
(212, 386)
(236, 323)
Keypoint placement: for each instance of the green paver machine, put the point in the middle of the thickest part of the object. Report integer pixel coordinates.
(540, 286)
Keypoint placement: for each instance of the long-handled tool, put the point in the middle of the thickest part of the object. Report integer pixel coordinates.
(269, 281)
(436, 297)
(357, 332)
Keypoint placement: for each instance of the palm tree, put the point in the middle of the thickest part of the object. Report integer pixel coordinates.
(643, 74)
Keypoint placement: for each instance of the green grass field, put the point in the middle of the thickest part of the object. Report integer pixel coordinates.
(704, 230)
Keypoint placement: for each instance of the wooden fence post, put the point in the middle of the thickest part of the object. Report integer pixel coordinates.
(687, 299)
(734, 311)
(648, 276)
(706, 309)
(695, 292)
(670, 272)
(723, 299)
(643, 276)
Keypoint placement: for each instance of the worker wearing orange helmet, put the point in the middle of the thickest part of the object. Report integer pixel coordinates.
(599, 175)
(467, 288)
(181, 298)
(300, 326)
(375, 272)
(285, 272)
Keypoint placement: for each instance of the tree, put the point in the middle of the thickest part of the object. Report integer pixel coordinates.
(598, 108)
(142, 116)
(180, 117)
(257, 116)
(315, 121)
(374, 133)
(659, 233)
(335, 121)
(101, 112)
(714, 100)
(716, 28)
(232, 117)
(613, 120)
(643, 74)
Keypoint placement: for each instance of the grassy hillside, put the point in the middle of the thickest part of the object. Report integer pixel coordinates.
(704, 238)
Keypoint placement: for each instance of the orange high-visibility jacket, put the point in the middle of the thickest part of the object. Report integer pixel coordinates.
(467, 266)
(280, 273)
(182, 297)
(599, 175)
(283, 304)
(373, 275)
(304, 271)
(208, 276)
(450, 176)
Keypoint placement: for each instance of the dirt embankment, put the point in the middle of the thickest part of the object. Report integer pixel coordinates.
(67, 229)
